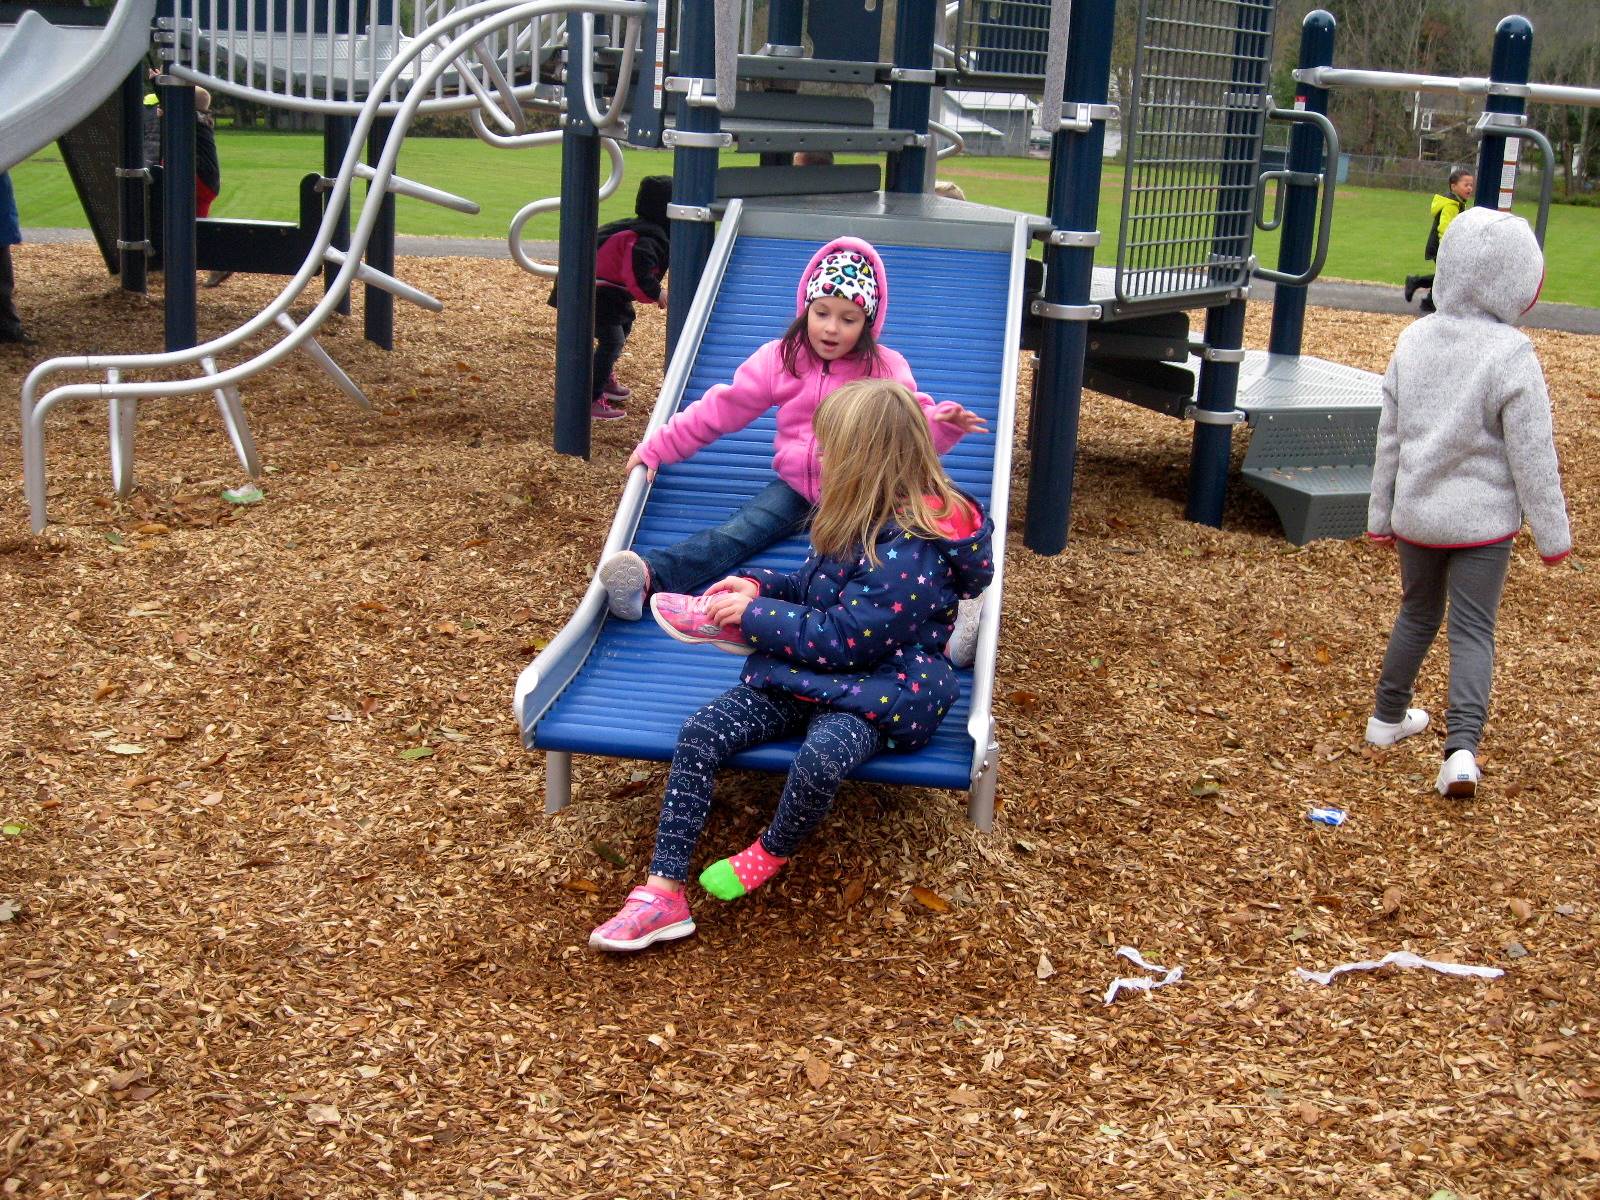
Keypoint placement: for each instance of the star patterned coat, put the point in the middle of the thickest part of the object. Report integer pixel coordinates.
(870, 640)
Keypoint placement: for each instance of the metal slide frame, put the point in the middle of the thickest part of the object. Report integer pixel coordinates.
(48, 84)
(544, 679)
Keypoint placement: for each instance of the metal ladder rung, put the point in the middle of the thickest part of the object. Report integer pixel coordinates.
(124, 413)
(233, 420)
(401, 186)
(386, 282)
(325, 361)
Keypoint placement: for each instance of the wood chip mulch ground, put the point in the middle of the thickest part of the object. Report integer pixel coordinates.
(281, 914)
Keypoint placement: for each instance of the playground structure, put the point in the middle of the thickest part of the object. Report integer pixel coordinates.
(670, 75)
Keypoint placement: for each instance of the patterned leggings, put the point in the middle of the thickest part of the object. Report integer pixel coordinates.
(835, 744)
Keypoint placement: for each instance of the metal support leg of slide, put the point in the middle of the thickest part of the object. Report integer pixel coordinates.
(1069, 270)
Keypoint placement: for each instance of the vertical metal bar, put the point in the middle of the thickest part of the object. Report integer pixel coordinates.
(1497, 166)
(1300, 208)
(908, 102)
(694, 168)
(1218, 386)
(177, 211)
(132, 211)
(272, 46)
(377, 305)
(580, 218)
(1074, 201)
(336, 132)
(785, 20)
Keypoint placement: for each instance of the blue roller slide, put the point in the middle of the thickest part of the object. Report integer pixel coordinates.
(623, 688)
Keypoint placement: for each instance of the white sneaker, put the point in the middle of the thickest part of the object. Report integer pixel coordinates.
(626, 578)
(1458, 776)
(962, 647)
(1387, 733)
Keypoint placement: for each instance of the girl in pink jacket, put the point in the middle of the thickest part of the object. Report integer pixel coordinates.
(840, 307)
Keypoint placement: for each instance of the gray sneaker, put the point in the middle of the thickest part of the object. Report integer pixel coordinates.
(626, 578)
(962, 647)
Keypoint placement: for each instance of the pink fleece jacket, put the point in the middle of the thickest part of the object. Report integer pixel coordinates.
(762, 381)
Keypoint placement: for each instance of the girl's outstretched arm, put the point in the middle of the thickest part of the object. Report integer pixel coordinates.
(947, 420)
(724, 408)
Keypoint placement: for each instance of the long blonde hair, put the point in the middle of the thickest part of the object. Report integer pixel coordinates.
(878, 465)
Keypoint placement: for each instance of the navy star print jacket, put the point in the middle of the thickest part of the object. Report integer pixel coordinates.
(870, 640)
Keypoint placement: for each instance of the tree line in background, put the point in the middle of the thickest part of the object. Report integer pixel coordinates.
(1434, 37)
(1453, 37)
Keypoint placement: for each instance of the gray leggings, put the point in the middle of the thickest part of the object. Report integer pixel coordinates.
(1471, 580)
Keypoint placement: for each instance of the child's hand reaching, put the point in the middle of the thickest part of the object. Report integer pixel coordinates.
(727, 599)
(635, 461)
(965, 419)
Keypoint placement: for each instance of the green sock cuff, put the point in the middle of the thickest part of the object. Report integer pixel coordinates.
(722, 881)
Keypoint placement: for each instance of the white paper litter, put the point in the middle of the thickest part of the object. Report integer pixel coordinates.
(1400, 958)
(1138, 984)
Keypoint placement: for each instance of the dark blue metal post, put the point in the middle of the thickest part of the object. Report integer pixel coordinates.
(1074, 202)
(336, 133)
(133, 233)
(1513, 57)
(377, 305)
(694, 166)
(1300, 207)
(785, 20)
(178, 210)
(1218, 386)
(580, 219)
(911, 92)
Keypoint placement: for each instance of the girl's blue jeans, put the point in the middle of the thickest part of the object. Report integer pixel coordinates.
(768, 517)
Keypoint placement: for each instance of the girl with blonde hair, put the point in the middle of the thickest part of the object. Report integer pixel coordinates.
(847, 651)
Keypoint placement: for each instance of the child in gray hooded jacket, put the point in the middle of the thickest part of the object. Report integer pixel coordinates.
(1465, 453)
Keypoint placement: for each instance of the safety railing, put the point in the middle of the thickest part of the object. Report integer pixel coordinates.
(1194, 129)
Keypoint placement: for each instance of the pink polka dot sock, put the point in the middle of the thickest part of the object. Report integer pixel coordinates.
(730, 878)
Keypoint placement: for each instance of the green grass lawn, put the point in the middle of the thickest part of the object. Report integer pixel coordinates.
(1377, 233)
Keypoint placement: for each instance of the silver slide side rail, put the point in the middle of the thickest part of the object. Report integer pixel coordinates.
(980, 722)
(544, 679)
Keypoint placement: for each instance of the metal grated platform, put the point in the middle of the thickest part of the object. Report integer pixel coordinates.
(1277, 382)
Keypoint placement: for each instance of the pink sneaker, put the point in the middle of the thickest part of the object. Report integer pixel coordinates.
(614, 390)
(684, 617)
(604, 410)
(647, 917)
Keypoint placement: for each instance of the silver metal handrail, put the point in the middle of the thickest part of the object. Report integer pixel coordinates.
(980, 722)
(1466, 85)
(542, 680)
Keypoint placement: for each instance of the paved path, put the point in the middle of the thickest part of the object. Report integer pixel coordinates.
(1356, 297)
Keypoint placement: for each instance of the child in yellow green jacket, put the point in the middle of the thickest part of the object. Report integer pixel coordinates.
(1441, 212)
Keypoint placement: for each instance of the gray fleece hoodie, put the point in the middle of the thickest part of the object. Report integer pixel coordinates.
(1465, 447)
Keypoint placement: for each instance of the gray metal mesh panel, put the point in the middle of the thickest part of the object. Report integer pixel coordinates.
(1003, 40)
(1194, 136)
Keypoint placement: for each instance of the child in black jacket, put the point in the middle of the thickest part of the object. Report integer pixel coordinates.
(630, 264)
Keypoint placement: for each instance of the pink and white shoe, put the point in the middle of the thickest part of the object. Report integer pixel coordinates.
(684, 617)
(647, 917)
(612, 390)
(603, 410)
